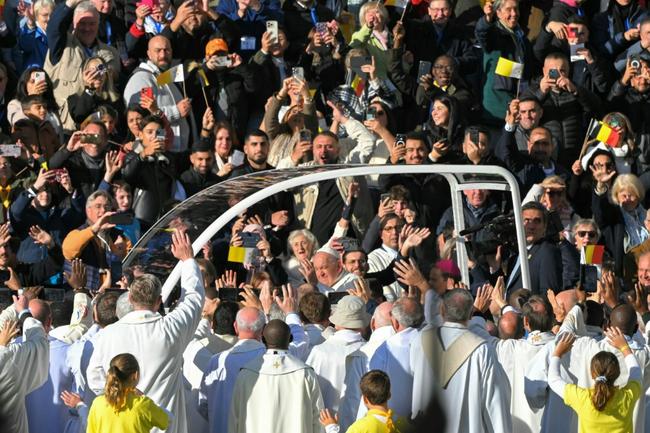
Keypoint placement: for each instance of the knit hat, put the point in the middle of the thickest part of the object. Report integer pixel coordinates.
(215, 46)
(350, 313)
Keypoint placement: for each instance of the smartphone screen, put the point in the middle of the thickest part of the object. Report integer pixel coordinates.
(272, 29)
(424, 68)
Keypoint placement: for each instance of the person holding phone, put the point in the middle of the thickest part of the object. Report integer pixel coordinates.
(374, 35)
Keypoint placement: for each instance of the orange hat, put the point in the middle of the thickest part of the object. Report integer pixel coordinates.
(215, 46)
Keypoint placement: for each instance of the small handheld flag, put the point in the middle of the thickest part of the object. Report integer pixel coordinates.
(240, 254)
(508, 68)
(203, 80)
(605, 134)
(592, 255)
(358, 85)
(171, 75)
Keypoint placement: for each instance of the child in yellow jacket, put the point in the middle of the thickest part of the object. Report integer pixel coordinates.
(375, 389)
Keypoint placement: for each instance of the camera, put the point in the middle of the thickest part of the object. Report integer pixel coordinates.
(635, 61)
(400, 140)
(498, 231)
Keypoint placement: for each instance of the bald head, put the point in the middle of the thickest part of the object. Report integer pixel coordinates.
(41, 311)
(567, 298)
(381, 316)
(624, 318)
(249, 323)
(511, 326)
(277, 335)
(159, 52)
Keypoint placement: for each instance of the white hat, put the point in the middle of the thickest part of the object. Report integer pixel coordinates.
(350, 313)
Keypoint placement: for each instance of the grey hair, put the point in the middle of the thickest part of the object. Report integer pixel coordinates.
(307, 234)
(381, 319)
(86, 6)
(123, 306)
(499, 3)
(99, 193)
(458, 305)
(408, 312)
(373, 5)
(255, 326)
(145, 290)
(586, 222)
(40, 4)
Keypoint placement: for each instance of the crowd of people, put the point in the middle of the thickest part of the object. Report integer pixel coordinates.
(339, 305)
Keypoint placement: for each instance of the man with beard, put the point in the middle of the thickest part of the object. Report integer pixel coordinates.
(538, 163)
(200, 175)
(168, 98)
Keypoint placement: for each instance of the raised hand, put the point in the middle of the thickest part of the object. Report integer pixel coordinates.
(361, 290)
(564, 344)
(182, 246)
(289, 301)
(41, 237)
(8, 332)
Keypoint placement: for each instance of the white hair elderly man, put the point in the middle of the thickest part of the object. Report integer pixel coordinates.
(381, 327)
(329, 272)
(68, 50)
(219, 378)
(157, 342)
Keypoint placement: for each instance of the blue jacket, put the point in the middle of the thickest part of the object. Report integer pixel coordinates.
(33, 43)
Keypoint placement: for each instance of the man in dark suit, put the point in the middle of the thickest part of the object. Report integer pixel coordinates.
(544, 257)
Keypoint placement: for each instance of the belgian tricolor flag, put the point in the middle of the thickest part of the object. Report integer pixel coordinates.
(605, 134)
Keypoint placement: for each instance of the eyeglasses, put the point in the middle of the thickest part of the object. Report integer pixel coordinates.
(583, 233)
(391, 228)
(445, 68)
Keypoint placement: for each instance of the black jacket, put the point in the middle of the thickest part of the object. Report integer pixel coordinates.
(545, 267)
(193, 181)
(612, 226)
(84, 178)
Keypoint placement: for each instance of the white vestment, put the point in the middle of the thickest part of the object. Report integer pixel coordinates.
(378, 336)
(23, 368)
(393, 357)
(339, 364)
(158, 344)
(276, 393)
(514, 356)
(477, 397)
(378, 260)
(575, 367)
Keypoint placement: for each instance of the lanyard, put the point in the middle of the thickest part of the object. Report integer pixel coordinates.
(109, 32)
(314, 17)
(627, 24)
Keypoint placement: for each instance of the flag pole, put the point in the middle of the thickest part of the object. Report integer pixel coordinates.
(518, 85)
(586, 142)
(404, 11)
(205, 96)
(184, 92)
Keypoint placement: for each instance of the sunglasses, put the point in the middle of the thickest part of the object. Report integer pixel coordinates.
(583, 233)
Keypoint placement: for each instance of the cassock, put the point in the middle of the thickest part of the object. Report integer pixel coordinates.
(378, 336)
(576, 368)
(339, 364)
(514, 356)
(393, 358)
(276, 393)
(477, 396)
(378, 260)
(158, 344)
(23, 368)
(45, 410)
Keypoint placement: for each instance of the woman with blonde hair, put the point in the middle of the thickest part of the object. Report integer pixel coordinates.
(374, 35)
(604, 407)
(99, 89)
(123, 408)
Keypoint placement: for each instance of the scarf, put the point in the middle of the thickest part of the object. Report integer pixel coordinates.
(634, 228)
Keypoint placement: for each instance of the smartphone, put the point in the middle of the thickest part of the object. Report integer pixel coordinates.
(553, 74)
(101, 69)
(10, 150)
(121, 218)
(589, 278)
(91, 138)
(371, 113)
(571, 32)
(335, 297)
(272, 30)
(357, 62)
(224, 61)
(250, 239)
(400, 140)
(39, 77)
(233, 294)
(424, 68)
(298, 72)
(4, 276)
(321, 28)
(146, 92)
(53, 295)
(305, 135)
(58, 172)
(349, 244)
(160, 134)
(385, 196)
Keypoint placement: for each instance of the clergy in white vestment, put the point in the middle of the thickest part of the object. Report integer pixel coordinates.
(103, 313)
(315, 311)
(215, 334)
(381, 327)
(339, 363)
(276, 393)
(472, 387)
(23, 365)
(559, 418)
(330, 273)
(515, 355)
(218, 382)
(382, 257)
(157, 342)
(393, 356)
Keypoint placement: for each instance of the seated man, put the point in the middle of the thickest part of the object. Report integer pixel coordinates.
(328, 273)
(97, 242)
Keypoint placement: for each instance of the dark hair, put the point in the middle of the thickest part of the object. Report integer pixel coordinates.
(121, 184)
(536, 206)
(48, 95)
(576, 19)
(604, 364)
(452, 105)
(530, 98)
(400, 192)
(152, 119)
(557, 55)
(224, 318)
(256, 133)
(477, 128)
(100, 125)
(329, 134)
(389, 216)
(375, 386)
(61, 312)
(30, 100)
(390, 117)
(419, 136)
(538, 320)
(105, 304)
(314, 307)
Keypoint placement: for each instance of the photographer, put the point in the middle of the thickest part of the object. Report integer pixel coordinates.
(84, 157)
(152, 172)
(631, 93)
(641, 47)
